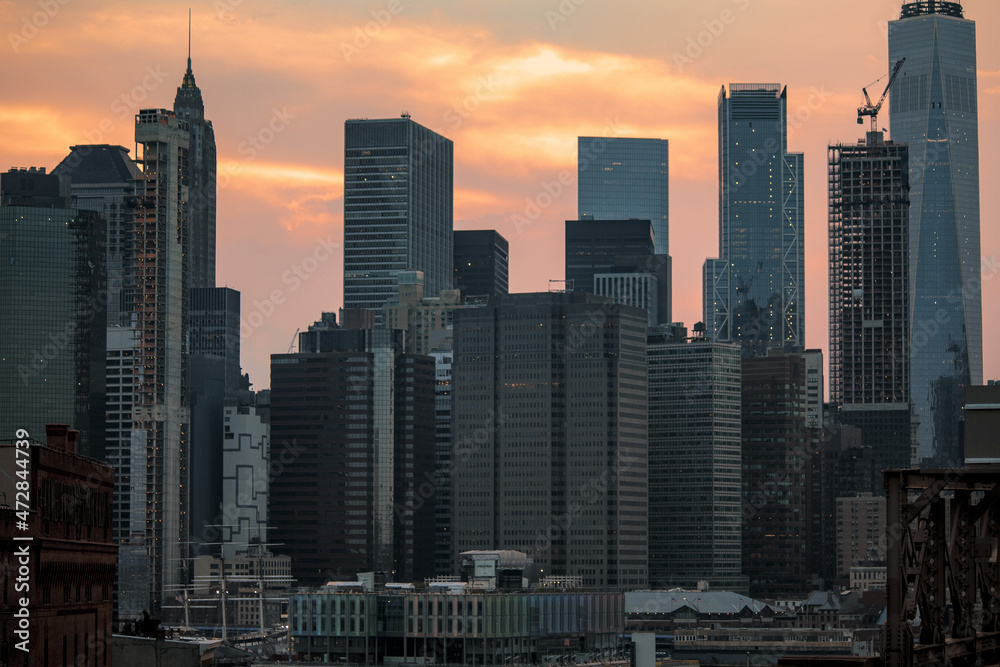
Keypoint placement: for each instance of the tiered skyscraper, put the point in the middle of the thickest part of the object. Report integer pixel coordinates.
(933, 109)
(754, 290)
(201, 168)
(398, 183)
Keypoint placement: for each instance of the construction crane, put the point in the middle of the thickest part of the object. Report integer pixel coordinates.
(872, 110)
(295, 337)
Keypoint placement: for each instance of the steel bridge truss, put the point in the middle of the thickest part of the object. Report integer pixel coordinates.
(941, 556)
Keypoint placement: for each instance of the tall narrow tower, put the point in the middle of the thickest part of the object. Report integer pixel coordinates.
(754, 290)
(189, 106)
(933, 109)
(151, 559)
(869, 296)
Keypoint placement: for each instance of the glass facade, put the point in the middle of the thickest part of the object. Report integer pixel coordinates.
(549, 431)
(52, 284)
(454, 628)
(694, 464)
(481, 259)
(352, 433)
(754, 290)
(398, 185)
(933, 108)
(621, 178)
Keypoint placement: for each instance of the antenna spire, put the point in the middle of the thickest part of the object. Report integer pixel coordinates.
(189, 39)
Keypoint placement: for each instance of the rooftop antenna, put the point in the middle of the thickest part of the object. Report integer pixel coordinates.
(189, 39)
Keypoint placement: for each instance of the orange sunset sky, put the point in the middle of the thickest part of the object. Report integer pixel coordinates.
(512, 83)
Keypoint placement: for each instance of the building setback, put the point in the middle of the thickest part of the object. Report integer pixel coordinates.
(933, 109)
(616, 259)
(870, 297)
(398, 185)
(549, 432)
(754, 290)
(481, 262)
(694, 462)
(200, 176)
(352, 436)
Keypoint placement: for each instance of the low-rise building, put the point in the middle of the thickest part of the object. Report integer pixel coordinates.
(454, 626)
(57, 554)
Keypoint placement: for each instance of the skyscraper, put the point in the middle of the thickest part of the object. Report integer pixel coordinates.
(549, 432)
(152, 558)
(398, 183)
(754, 290)
(102, 179)
(213, 362)
(694, 462)
(201, 168)
(775, 461)
(933, 109)
(615, 258)
(622, 178)
(870, 297)
(481, 262)
(246, 462)
(352, 436)
(52, 310)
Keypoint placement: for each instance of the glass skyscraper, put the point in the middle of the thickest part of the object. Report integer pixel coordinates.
(622, 178)
(694, 462)
(52, 310)
(754, 291)
(398, 185)
(933, 108)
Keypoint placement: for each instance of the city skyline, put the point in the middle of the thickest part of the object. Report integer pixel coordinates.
(513, 97)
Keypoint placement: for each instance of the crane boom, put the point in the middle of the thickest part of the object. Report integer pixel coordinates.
(872, 110)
